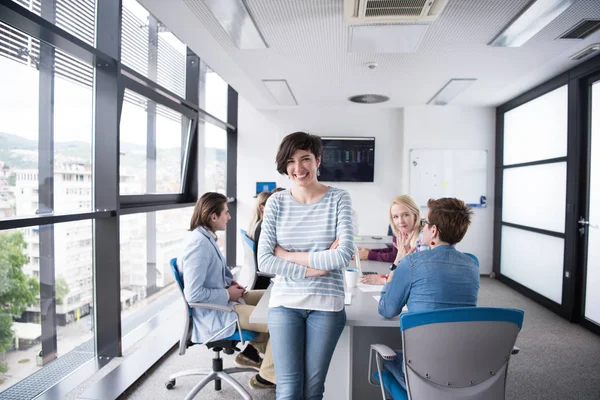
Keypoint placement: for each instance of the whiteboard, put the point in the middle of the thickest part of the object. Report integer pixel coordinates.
(436, 173)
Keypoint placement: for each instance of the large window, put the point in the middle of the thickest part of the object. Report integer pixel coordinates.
(76, 17)
(148, 242)
(45, 156)
(30, 255)
(150, 49)
(97, 181)
(152, 140)
(46, 128)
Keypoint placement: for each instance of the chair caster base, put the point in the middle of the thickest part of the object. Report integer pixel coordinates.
(170, 384)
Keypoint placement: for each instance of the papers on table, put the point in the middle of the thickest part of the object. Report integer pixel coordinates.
(347, 298)
(369, 288)
(404, 309)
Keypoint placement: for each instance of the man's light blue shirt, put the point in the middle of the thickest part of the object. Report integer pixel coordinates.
(442, 277)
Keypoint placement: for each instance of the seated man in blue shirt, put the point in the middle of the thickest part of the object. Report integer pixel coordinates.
(442, 277)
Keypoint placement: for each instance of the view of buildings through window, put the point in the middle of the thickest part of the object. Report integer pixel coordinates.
(46, 167)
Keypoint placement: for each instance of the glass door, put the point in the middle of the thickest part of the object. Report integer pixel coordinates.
(590, 224)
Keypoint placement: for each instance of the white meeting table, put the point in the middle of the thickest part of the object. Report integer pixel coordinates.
(348, 373)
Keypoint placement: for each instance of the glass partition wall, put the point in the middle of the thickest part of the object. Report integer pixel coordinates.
(545, 221)
(534, 186)
(105, 145)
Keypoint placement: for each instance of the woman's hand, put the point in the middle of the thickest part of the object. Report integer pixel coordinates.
(403, 244)
(363, 253)
(312, 273)
(335, 244)
(372, 279)
(235, 292)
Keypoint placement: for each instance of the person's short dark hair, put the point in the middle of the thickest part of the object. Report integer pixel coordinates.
(451, 216)
(294, 142)
(210, 203)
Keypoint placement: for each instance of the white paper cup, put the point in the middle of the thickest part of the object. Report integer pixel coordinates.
(352, 276)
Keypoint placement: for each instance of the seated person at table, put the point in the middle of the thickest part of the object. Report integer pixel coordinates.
(254, 229)
(442, 277)
(206, 279)
(405, 218)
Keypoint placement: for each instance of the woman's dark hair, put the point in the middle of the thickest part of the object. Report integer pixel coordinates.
(293, 142)
(452, 218)
(210, 203)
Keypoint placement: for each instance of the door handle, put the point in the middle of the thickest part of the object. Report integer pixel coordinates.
(583, 222)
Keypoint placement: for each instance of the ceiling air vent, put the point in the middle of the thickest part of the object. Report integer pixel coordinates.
(582, 30)
(585, 52)
(368, 98)
(392, 11)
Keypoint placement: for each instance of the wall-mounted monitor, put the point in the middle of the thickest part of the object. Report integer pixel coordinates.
(347, 159)
(264, 187)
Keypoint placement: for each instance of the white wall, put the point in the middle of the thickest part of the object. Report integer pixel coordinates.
(448, 127)
(396, 132)
(370, 200)
(258, 139)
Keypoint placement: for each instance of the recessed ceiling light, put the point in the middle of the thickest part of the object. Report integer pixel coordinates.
(586, 51)
(386, 38)
(450, 90)
(237, 22)
(369, 98)
(530, 21)
(281, 91)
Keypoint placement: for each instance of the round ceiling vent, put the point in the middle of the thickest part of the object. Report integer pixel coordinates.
(369, 98)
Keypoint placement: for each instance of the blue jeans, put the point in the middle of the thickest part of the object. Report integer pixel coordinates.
(396, 368)
(303, 342)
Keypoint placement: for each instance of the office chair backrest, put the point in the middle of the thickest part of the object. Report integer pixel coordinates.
(247, 274)
(187, 329)
(458, 353)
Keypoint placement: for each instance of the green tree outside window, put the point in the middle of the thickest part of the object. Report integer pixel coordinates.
(17, 291)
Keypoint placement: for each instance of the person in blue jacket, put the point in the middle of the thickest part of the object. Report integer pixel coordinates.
(207, 279)
(442, 277)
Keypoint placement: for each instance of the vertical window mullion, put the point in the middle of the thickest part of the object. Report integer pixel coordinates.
(47, 58)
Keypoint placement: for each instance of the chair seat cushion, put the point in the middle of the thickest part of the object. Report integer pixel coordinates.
(392, 386)
(247, 335)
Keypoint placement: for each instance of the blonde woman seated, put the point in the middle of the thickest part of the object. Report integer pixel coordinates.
(255, 226)
(405, 218)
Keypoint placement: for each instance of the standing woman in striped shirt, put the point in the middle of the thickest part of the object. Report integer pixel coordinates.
(306, 241)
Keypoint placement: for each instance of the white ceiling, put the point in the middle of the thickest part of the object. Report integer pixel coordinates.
(308, 46)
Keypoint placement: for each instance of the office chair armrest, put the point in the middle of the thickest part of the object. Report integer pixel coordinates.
(515, 350)
(211, 306)
(385, 352)
(381, 351)
(265, 274)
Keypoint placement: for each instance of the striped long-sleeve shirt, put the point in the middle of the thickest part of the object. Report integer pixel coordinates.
(307, 228)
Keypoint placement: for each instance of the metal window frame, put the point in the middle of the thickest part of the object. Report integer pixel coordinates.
(231, 184)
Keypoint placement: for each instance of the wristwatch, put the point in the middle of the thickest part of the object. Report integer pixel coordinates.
(393, 267)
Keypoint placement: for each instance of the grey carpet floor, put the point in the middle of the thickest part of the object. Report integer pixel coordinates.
(558, 360)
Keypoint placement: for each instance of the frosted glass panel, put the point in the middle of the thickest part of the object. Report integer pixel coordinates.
(592, 293)
(534, 260)
(537, 130)
(536, 196)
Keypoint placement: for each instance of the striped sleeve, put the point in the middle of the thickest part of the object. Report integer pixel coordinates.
(267, 262)
(339, 258)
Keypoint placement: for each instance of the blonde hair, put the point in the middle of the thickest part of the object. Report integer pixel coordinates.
(257, 215)
(413, 208)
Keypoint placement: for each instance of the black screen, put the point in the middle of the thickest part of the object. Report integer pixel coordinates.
(347, 159)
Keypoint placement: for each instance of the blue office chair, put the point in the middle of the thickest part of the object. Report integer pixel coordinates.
(455, 353)
(227, 345)
(248, 274)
